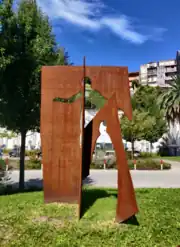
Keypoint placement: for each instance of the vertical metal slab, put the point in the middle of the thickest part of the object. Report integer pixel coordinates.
(113, 84)
(61, 131)
(66, 151)
(126, 204)
(60, 134)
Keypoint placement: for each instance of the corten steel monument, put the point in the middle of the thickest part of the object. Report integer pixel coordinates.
(67, 147)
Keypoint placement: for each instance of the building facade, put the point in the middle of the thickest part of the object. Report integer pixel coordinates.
(133, 76)
(160, 73)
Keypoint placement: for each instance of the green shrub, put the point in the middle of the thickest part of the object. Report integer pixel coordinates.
(128, 154)
(2, 165)
(31, 152)
(96, 166)
(33, 163)
(6, 150)
(3, 174)
(148, 155)
(142, 164)
(148, 164)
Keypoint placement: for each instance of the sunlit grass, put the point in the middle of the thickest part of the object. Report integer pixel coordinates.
(26, 221)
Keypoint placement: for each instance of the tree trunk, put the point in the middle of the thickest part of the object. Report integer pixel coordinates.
(22, 158)
(151, 147)
(132, 144)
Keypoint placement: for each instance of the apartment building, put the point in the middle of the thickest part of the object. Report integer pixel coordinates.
(160, 73)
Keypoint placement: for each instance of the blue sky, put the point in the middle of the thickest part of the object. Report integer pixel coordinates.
(115, 32)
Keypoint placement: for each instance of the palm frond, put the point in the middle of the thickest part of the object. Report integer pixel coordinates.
(169, 100)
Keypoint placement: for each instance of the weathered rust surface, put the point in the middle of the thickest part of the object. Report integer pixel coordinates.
(126, 204)
(108, 80)
(60, 135)
(61, 143)
(65, 150)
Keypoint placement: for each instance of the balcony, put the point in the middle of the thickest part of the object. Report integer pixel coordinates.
(167, 63)
(169, 78)
(152, 79)
(169, 69)
(152, 64)
(151, 72)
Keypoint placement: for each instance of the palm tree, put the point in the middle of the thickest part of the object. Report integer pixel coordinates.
(170, 101)
(135, 84)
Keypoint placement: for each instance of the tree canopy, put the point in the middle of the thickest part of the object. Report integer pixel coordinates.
(148, 121)
(170, 101)
(26, 44)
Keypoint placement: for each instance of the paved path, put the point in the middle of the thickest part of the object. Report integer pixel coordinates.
(108, 178)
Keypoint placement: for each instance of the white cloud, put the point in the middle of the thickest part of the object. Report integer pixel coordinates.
(89, 15)
(123, 28)
(77, 12)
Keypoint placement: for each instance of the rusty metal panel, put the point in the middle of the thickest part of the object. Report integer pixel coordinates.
(112, 83)
(61, 182)
(108, 80)
(126, 204)
(65, 80)
(52, 130)
(66, 180)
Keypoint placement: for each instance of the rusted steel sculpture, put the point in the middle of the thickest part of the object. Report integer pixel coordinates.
(67, 147)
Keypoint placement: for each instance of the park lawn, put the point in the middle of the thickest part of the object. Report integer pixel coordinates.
(171, 158)
(26, 221)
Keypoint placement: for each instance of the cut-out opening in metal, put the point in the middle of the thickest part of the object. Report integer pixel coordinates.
(93, 99)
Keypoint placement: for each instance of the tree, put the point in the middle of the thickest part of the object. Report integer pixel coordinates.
(7, 134)
(135, 84)
(154, 129)
(134, 130)
(169, 101)
(146, 100)
(27, 43)
(148, 119)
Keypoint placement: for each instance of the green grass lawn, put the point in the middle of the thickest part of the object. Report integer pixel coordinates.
(171, 158)
(26, 221)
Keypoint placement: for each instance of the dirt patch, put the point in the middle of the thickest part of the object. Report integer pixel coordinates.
(60, 221)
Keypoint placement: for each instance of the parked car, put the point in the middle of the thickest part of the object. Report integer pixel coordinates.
(136, 153)
(109, 154)
(15, 152)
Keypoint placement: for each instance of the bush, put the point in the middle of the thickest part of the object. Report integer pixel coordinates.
(33, 163)
(2, 165)
(3, 174)
(128, 154)
(6, 151)
(146, 164)
(31, 152)
(148, 155)
(99, 163)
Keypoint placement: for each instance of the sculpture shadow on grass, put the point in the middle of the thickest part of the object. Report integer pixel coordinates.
(31, 185)
(89, 197)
